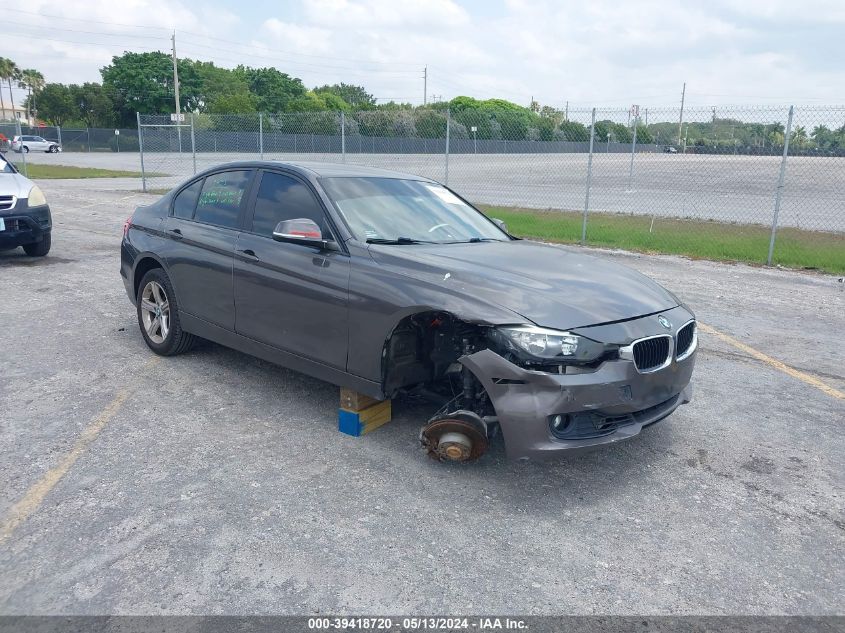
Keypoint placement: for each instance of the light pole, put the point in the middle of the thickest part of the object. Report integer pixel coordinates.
(686, 133)
(475, 138)
(607, 150)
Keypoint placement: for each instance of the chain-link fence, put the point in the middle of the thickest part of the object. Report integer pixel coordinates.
(759, 184)
(89, 139)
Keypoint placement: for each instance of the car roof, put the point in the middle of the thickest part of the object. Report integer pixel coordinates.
(327, 170)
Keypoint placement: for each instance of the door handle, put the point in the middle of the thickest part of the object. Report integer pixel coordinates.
(177, 234)
(248, 252)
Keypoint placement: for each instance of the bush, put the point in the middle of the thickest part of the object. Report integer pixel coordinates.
(431, 124)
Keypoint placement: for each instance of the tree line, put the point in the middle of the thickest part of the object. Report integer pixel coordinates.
(143, 82)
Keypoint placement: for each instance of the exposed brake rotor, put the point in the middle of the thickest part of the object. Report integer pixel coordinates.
(460, 436)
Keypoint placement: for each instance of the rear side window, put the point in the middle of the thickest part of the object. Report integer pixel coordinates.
(186, 201)
(284, 198)
(220, 198)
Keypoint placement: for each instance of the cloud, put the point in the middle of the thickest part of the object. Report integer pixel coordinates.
(416, 15)
(296, 37)
(600, 52)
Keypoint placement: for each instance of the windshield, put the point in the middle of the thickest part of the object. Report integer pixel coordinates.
(5, 167)
(407, 211)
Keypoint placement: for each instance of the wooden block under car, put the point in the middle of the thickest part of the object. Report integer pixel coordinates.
(357, 423)
(351, 400)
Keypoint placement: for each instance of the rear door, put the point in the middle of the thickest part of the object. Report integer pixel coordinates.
(202, 230)
(291, 296)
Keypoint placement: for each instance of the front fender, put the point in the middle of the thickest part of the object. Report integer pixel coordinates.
(379, 299)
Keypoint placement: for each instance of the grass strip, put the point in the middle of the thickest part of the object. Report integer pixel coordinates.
(701, 239)
(41, 171)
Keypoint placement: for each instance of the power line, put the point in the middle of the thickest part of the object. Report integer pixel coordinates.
(325, 74)
(210, 37)
(55, 28)
(55, 39)
(281, 52)
(331, 74)
(62, 17)
(294, 65)
(296, 62)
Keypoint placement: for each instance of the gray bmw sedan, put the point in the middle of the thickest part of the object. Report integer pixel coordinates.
(390, 284)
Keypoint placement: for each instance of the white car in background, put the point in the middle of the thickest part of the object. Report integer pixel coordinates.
(28, 143)
(25, 218)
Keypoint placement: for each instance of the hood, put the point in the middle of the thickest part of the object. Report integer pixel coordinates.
(15, 185)
(548, 285)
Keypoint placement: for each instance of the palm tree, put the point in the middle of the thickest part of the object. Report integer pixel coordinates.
(5, 72)
(32, 81)
(9, 70)
(799, 136)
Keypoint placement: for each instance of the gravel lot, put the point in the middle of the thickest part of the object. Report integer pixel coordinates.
(738, 189)
(219, 484)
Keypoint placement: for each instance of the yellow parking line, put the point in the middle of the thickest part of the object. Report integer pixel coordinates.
(30, 502)
(773, 362)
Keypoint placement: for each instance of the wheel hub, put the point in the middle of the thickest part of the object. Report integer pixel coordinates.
(456, 437)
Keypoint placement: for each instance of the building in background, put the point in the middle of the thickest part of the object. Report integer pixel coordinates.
(17, 113)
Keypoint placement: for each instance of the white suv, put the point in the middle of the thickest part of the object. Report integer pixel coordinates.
(34, 143)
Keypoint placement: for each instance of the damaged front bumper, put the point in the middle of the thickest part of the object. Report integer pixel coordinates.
(541, 413)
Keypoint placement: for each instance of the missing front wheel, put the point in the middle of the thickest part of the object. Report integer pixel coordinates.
(460, 436)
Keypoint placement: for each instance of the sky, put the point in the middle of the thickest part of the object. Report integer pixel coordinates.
(587, 53)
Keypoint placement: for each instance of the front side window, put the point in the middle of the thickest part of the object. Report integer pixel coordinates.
(220, 198)
(389, 209)
(186, 201)
(281, 198)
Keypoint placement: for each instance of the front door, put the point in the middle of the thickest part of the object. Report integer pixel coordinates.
(291, 296)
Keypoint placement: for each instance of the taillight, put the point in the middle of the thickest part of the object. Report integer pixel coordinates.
(126, 224)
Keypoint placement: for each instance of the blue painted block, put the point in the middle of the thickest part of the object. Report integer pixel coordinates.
(348, 422)
(357, 423)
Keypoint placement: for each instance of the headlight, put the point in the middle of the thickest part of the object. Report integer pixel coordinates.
(550, 344)
(541, 342)
(36, 197)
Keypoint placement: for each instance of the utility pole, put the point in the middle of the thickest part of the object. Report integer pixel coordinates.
(175, 76)
(425, 85)
(681, 120)
(176, 91)
(566, 112)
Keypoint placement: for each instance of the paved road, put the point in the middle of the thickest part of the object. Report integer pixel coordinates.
(738, 189)
(217, 483)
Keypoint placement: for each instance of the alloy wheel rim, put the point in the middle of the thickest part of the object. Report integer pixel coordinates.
(155, 312)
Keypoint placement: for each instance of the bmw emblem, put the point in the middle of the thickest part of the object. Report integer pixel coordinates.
(662, 320)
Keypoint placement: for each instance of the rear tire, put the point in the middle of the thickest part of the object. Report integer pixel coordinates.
(158, 315)
(39, 249)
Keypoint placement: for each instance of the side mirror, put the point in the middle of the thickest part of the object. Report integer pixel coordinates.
(301, 231)
(501, 224)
